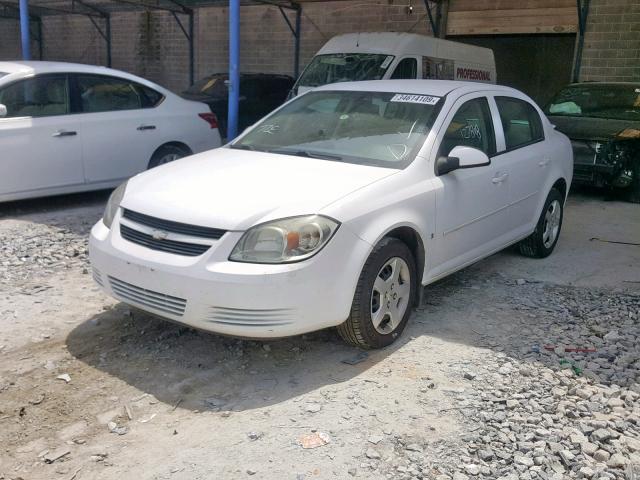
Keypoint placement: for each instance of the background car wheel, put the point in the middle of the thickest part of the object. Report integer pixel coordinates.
(543, 240)
(384, 297)
(168, 153)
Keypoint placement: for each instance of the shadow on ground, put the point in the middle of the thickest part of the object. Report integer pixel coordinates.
(203, 371)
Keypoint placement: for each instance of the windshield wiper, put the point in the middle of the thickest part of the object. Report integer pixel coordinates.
(307, 154)
(245, 147)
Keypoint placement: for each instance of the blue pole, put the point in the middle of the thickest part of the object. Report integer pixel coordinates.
(24, 29)
(234, 68)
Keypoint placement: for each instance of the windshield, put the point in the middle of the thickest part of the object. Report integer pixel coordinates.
(620, 102)
(367, 128)
(213, 85)
(344, 67)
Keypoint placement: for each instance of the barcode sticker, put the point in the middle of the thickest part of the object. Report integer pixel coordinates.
(407, 98)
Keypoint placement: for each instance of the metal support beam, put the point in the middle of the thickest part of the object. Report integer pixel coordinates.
(295, 31)
(234, 69)
(434, 26)
(24, 30)
(189, 35)
(296, 45)
(583, 12)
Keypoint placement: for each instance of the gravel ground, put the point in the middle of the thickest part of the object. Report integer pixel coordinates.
(497, 376)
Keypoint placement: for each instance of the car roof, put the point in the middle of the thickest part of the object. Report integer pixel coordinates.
(438, 88)
(22, 68)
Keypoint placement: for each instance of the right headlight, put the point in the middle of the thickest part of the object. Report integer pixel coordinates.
(284, 241)
(113, 204)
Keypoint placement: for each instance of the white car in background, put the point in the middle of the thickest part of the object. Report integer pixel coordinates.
(336, 208)
(69, 128)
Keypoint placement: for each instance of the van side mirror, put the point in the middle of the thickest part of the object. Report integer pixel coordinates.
(461, 157)
(3, 110)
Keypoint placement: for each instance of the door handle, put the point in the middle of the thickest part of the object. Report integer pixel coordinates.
(543, 163)
(499, 178)
(147, 127)
(64, 133)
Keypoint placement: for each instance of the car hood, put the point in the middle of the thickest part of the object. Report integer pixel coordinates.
(235, 189)
(587, 128)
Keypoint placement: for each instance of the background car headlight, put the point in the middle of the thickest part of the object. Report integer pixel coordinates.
(285, 240)
(113, 204)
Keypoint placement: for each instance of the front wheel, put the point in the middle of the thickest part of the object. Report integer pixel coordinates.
(543, 240)
(384, 296)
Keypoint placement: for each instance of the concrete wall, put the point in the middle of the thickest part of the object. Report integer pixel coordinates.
(152, 45)
(612, 41)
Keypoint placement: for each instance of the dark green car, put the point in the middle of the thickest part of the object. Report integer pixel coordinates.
(603, 122)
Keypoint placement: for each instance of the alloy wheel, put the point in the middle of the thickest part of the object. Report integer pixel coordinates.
(390, 295)
(551, 223)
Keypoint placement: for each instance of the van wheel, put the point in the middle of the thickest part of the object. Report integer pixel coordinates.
(168, 153)
(384, 296)
(543, 240)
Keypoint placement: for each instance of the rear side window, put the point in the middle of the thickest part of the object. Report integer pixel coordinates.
(520, 122)
(99, 93)
(41, 96)
(407, 69)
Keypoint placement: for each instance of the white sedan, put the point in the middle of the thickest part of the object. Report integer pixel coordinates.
(69, 128)
(336, 209)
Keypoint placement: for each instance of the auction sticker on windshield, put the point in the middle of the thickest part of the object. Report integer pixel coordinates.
(424, 99)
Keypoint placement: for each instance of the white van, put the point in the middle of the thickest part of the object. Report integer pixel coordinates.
(388, 55)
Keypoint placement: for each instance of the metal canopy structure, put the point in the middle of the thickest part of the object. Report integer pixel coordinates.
(99, 13)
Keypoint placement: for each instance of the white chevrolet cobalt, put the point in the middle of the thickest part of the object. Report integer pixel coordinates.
(335, 209)
(69, 128)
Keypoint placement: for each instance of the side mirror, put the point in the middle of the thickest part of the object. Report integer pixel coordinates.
(3, 110)
(461, 157)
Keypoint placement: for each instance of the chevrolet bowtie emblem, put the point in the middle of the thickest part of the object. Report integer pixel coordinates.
(159, 234)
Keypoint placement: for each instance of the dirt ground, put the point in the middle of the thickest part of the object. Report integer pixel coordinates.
(147, 399)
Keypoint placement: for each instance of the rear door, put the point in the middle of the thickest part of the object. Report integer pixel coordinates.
(472, 214)
(121, 127)
(40, 141)
(527, 157)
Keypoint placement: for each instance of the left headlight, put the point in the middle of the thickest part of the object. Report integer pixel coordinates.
(285, 240)
(113, 204)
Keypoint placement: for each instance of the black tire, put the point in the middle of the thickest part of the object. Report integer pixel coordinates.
(162, 154)
(535, 245)
(359, 330)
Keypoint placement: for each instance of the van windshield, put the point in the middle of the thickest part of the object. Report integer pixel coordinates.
(383, 129)
(344, 67)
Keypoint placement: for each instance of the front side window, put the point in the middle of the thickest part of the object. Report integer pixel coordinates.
(369, 128)
(106, 94)
(520, 122)
(40, 96)
(407, 69)
(471, 126)
(344, 67)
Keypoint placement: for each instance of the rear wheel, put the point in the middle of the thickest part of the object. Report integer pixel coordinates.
(168, 153)
(543, 240)
(384, 296)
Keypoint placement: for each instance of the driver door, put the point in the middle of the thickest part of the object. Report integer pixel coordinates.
(472, 203)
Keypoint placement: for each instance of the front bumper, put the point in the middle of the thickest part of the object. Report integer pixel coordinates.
(240, 299)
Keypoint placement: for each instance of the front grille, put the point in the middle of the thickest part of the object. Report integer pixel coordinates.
(170, 246)
(250, 317)
(147, 298)
(173, 227)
